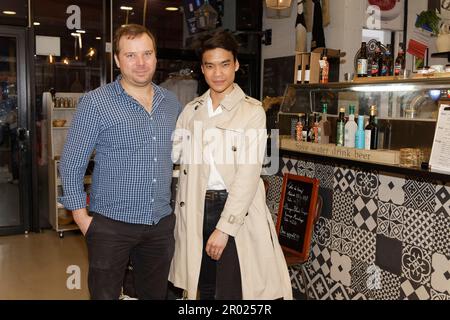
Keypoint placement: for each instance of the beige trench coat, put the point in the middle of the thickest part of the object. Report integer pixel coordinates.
(263, 267)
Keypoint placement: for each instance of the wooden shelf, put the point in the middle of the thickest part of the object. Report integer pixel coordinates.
(386, 157)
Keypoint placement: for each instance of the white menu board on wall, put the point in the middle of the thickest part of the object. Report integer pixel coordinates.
(440, 152)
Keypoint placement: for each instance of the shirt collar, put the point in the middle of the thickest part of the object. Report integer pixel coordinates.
(230, 100)
(120, 90)
(158, 92)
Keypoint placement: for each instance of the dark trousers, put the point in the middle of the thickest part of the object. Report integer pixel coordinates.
(112, 244)
(220, 280)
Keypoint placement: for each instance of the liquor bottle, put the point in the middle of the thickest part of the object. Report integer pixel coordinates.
(350, 128)
(340, 128)
(380, 60)
(362, 61)
(399, 62)
(315, 128)
(306, 137)
(387, 63)
(311, 128)
(360, 133)
(371, 131)
(324, 70)
(324, 126)
(298, 129)
(376, 60)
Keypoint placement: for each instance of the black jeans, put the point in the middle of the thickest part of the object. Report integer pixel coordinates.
(220, 280)
(111, 245)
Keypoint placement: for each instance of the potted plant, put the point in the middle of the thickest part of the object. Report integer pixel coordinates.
(430, 21)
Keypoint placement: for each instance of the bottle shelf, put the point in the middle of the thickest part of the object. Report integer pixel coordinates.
(387, 157)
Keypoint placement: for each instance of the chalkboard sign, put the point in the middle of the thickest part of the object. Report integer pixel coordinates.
(296, 214)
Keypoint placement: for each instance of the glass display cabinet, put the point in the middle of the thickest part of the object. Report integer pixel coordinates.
(406, 112)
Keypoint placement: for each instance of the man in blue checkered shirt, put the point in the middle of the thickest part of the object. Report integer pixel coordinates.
(129, 124)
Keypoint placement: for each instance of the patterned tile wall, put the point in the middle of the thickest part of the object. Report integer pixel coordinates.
(380, 236)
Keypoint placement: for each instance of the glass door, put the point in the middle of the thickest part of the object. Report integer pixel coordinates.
(15, 168)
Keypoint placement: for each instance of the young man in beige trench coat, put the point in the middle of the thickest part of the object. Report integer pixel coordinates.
(226, 245)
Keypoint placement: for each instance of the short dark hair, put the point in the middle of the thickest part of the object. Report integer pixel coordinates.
(220, 39)
(131, 31)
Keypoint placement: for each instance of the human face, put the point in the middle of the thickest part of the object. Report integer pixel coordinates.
(136, 60)
(219, 67)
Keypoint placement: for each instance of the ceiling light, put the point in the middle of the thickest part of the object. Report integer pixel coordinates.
(81, 31)
(126, 8)
(9, 12)
(172, 9)
(37, 23)
(278, 4)
(98, 38)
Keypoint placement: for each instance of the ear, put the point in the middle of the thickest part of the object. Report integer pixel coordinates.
(117, 61)
(236, 65)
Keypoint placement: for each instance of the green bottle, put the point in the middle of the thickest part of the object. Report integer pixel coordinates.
(340, 128)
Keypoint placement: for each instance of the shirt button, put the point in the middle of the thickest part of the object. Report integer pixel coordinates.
(153, 200)
(155, 159)
(154, 138)
(154, 180)
(151, 118)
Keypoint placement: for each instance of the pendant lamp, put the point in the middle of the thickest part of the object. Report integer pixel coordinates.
(206, 17)
(278, 4)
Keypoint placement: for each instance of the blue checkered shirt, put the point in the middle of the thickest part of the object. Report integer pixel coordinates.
(133, 168)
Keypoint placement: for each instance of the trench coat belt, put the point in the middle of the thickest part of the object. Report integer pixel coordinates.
(216, 195)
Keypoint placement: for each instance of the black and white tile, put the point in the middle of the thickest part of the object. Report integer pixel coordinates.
(321, 259)
(327, 202)
(341, 266)
(416, 264)
(420, 194)
(365, 213)
(440, 277)
(366, 183)
(418, 228)
(390, 287)
(274, 190)
(342, 207)
(344, 180)
(305, 168)
(390, 220)
(388, 254)
(340, 292)
(297, 282)
(319, 288)
(364, 246)
(322, 232)
(325, 173)
(288, 165)
(391, 189)
(410, 290)
(441, 228)
(435, 295)
(341, 238)
(360, 273)
(442, 200)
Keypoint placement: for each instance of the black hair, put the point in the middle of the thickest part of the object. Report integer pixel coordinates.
(221, 39)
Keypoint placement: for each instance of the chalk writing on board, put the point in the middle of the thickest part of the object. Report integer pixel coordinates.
(294, 225)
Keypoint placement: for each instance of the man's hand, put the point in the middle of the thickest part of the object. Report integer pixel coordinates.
(216, 243)
(82, 219)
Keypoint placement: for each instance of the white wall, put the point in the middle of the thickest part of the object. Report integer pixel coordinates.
(415, 7)
(344, 31)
